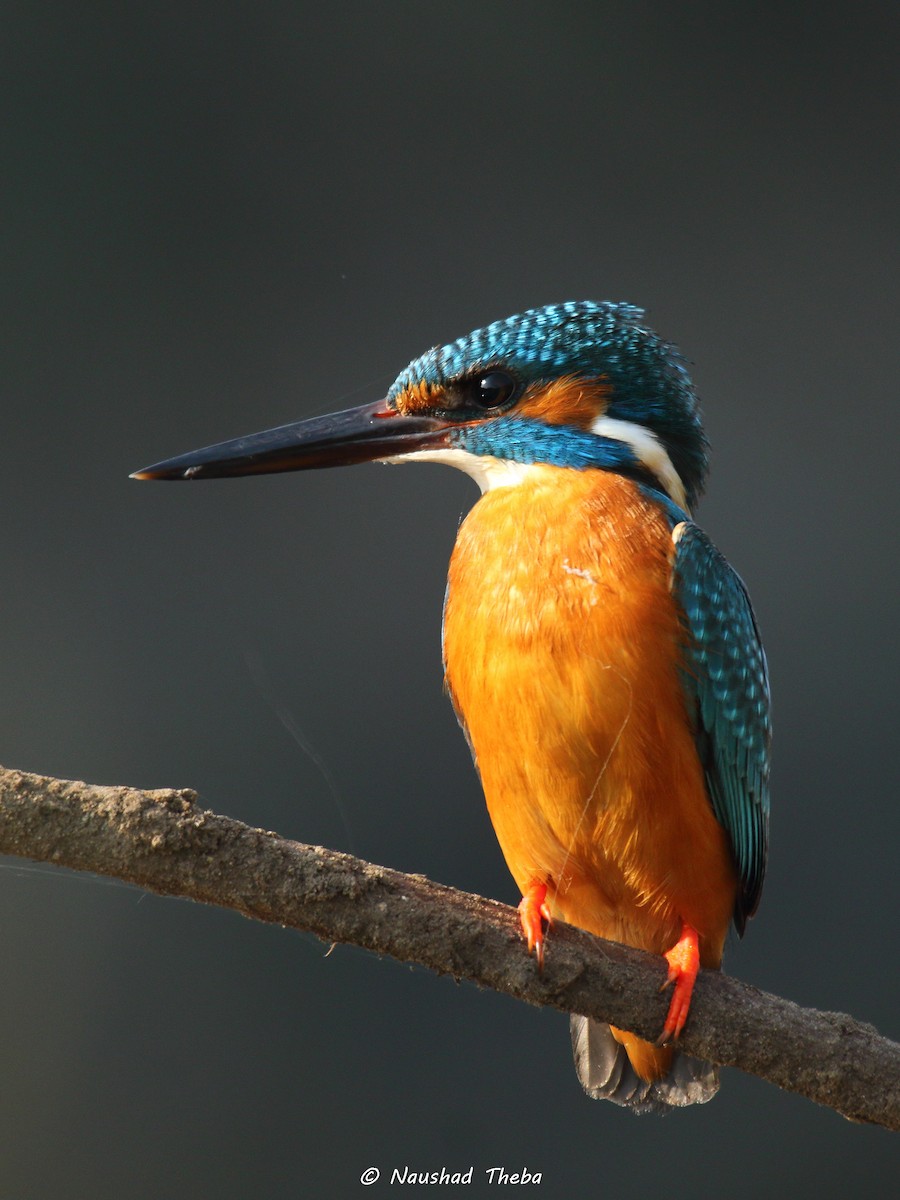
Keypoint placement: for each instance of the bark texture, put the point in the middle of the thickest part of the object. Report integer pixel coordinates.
(165, 842)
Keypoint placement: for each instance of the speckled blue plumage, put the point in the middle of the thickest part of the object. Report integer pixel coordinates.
(650, 384)
(725, 679)
(726, 684)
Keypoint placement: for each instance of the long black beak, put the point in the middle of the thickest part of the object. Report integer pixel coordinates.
(356, 435)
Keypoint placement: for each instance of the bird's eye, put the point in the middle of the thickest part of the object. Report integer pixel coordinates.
(493, 389)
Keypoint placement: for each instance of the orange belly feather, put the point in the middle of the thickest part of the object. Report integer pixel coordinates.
(561, 646)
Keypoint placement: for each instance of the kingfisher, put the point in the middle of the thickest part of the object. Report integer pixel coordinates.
(601, 654)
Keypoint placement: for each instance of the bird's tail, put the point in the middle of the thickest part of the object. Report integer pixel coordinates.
(605, 1062)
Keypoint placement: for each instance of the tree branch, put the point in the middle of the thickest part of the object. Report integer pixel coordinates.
(164, 842)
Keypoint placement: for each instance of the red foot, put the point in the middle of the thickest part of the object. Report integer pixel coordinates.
(531, 909)
(684, 963)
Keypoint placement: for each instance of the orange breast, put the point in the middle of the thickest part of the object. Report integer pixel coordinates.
(561, 644)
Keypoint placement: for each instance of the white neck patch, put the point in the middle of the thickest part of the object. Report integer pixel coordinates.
(649, 451)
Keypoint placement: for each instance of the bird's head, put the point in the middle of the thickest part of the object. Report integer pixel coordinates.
(575, 385)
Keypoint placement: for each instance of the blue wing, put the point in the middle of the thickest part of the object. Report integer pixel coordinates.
(727, 687)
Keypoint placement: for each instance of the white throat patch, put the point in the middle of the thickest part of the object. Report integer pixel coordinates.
(487, 472)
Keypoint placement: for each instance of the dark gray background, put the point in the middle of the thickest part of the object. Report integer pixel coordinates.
(219, 217)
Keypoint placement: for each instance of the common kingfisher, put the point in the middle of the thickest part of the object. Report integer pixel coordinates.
(601, 655)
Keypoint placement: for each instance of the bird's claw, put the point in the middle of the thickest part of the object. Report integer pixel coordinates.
(684, 963)
(533, 911)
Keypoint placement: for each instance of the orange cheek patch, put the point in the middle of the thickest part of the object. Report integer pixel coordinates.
(420, 397)
(566, 401)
